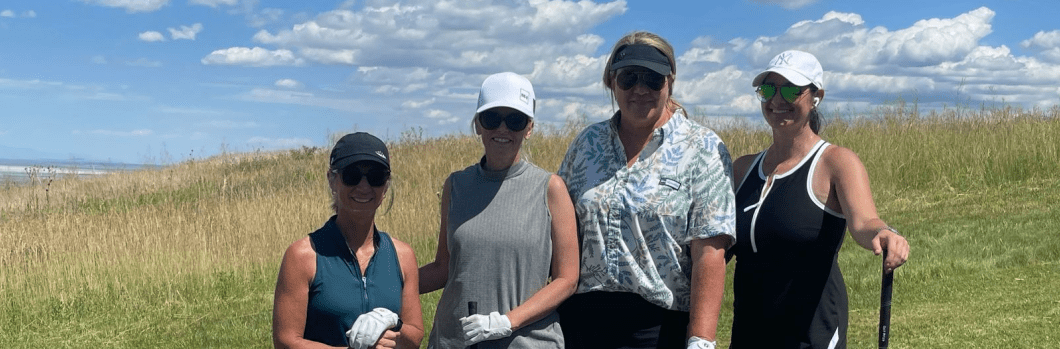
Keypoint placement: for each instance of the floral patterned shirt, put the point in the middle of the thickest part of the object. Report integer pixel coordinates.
(636, 224)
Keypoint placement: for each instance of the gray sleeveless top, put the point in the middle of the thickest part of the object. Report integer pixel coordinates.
(500, 252)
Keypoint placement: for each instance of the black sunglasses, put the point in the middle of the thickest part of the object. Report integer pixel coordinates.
(627, 78)
(767, 91)
(491, 119)
(351, 176)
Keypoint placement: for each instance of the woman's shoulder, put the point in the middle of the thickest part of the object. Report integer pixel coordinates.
(593, 132)
(401, 247)
(301, 252)
(840, 159)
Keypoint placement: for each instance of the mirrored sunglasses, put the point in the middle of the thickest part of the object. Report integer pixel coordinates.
(627, 78)
(767, 91)
(351, 176)
(491, 119)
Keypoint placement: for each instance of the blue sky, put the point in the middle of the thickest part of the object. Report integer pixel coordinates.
(159, 81)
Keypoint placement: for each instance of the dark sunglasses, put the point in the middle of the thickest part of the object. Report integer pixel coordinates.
(767, 91)
(491, 119)
(351, 176)
(627, 78)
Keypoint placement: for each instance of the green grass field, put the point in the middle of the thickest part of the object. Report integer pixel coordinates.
(186, 256)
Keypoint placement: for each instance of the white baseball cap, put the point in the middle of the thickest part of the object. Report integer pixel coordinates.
(507, 90)
(801, 68)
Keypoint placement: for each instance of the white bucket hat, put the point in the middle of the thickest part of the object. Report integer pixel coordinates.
(801, 68)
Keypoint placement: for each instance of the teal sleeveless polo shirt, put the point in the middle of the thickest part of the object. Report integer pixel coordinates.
(339, 293)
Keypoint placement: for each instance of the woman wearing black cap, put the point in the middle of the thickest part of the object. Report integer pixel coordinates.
(349, 284)
(794, 201)
(653, 196)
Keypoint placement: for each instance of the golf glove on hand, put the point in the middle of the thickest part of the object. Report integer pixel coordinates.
(370, 326)
(479, 328)
(699, 343)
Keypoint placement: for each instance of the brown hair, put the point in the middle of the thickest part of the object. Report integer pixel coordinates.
(643, 38)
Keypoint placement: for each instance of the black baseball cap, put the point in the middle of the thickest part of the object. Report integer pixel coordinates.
(359, 146)
(641, 55)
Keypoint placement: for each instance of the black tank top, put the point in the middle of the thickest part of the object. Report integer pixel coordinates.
(789, 292)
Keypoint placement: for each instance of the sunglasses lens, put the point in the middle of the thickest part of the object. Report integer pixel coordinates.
(351, 176)
(516, 121)
(628, 78)
(490, 120)
(653, 80)
(765, 92)
(790, 93)
(377, 177)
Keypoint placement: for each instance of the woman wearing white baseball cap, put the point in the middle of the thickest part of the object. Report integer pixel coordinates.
(654, 199)
(793, 202)
(507, 226)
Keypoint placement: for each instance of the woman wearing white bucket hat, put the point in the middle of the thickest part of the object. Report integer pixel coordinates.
(507, 226)
(793, 202)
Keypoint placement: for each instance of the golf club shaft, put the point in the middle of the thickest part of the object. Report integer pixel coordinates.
(472, 309)
(885, 305)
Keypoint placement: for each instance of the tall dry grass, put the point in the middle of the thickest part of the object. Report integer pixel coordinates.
(186, 255)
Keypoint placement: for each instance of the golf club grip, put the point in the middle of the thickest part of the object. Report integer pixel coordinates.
(472, 309)
(885, 305)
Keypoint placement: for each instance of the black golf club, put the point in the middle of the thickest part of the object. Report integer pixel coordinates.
(472, 309)
(885, 304)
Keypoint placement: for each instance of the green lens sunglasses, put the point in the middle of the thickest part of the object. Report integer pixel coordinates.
(767, 91)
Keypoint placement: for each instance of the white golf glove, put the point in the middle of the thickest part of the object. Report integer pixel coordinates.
(700, 343)
(479, 328)
(370, 326)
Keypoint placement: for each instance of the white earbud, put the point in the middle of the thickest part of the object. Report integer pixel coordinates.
(816, 100)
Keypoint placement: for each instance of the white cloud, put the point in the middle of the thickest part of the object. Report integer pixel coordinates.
(116, 133)
(442, 117)
(130, 6)
(11, 14)
(288, 83)
(99, 59)
(256, 57)
(1043, 40)
(214, 3)
(788, 4)
(447, 35)
(701, 55)
(1052, 55)
(151, 36)
(417, 104)
(185, 32)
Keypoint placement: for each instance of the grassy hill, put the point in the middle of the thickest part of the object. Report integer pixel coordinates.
(187, 255)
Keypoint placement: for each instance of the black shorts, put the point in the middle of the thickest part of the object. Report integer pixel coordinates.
(612, 320)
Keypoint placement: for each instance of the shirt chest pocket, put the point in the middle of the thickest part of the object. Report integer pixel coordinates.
(670, 198)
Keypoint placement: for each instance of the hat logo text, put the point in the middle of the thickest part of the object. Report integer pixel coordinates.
(524, 96)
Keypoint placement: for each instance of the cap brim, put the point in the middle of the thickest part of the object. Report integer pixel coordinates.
(657, 67)
(352, 159)
(792, 76)
(520, 108)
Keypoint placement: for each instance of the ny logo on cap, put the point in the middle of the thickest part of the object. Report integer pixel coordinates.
(782, 59)
(380, 154)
